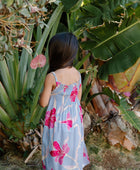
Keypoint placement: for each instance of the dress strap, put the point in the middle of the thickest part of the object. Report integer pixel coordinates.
(80, 78)
(54, 76)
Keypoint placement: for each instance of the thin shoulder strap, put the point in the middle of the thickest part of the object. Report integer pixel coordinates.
(80, 78)
(54, 76)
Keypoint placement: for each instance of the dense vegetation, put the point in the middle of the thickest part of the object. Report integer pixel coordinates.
(109, 38)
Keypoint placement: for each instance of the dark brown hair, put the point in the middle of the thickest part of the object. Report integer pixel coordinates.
(63, 49)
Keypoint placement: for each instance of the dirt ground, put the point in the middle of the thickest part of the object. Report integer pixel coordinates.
(102, 157)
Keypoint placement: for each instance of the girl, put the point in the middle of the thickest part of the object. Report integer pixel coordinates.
(63, 145)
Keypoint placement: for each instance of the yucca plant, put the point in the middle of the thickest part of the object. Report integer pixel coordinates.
(20, 85)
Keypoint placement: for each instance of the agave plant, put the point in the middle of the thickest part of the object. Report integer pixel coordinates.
(21, 82)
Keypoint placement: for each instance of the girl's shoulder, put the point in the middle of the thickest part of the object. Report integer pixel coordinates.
(50, 79)
(67, 75)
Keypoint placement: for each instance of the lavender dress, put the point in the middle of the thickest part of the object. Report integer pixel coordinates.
(63, 145)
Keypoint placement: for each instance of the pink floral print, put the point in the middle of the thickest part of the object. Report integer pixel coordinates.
(50, 118)
(43, 166)
(65, 87)
(57, 83)
(68, 121)
(74, 94)
(85, 155)
(81, 114)
(59, 153)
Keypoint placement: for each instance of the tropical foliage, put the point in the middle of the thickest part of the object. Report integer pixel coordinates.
(112, 32)
(108, 33)
(20, 85)
(109, 30)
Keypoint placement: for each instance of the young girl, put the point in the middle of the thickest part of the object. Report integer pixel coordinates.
(63, 145)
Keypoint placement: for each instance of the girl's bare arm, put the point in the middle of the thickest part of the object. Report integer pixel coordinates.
(46, 93)
(80, 93)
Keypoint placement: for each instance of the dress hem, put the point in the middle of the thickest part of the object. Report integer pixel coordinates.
(85, 164)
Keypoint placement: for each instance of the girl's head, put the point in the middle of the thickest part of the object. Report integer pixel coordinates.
(63, 49)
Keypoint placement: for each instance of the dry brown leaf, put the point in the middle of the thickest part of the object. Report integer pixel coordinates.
(116, 136)
(128, 144)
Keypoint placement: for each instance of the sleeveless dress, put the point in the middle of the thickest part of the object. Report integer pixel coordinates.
(63, 146)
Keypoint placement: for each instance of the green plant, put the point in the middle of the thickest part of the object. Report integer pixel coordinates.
(15, 17)
(112, 32)
(106, 91)
(128, 114)
(20, 85)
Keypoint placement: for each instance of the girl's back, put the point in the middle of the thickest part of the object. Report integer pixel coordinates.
(67, 76)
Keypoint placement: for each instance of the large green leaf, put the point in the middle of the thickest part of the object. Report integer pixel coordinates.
(4, 118)
(129, 115)
(36, 91)
(121, 62)
(122, 50)
(24, 58)
(7, 80)
(117, 42)
(53, 32)
(6, 103)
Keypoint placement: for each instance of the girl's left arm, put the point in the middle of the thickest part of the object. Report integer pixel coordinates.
(46, 93)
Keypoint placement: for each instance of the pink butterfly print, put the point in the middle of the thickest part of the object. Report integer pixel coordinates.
(81, 114)
(38, 61)
(80, 86)
(50, 118)
(59, 153)
(68, 121)
(74, 94)
(43, 166)
(57, 83)
(65, 87)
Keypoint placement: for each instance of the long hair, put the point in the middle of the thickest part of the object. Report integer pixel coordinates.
(63, 48)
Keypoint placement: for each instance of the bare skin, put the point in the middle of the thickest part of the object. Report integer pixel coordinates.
(66, 76)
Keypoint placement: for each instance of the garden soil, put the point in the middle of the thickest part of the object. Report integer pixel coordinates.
(102, 157)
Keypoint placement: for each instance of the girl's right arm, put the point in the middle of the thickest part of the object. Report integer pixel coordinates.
(80, 93)
(46, 93)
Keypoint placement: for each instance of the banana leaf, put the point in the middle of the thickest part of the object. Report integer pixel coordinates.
(121, 50)
(128, 114)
